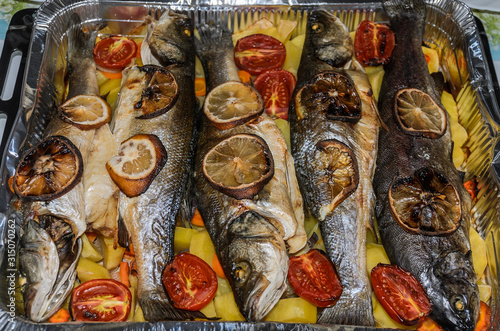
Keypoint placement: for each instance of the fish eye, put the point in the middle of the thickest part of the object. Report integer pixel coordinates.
(240, 272)
(458, 302)
(317, 27)
(187, 32)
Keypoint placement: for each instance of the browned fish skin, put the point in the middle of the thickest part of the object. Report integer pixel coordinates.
(327, 47)
(442, 264)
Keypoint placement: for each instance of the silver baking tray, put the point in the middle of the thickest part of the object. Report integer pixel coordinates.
(451, 28)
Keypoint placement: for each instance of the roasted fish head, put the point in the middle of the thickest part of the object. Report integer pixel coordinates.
(330, 38)
(453, 286)
(169, 40)
(255, 263)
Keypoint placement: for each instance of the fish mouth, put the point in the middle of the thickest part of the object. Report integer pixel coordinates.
(262, 299)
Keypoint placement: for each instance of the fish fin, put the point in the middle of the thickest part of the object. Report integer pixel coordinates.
(157, 307)
(351, 309)
(212, 38)
(400, 8)
(123, 234)
(81, 39)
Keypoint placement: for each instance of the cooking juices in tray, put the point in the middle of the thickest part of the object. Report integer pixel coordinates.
(215, 227)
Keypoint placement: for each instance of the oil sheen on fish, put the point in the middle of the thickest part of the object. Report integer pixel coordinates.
(441, 263)
(50, 245)
(314, 132)
(150, 217)
(251, 236)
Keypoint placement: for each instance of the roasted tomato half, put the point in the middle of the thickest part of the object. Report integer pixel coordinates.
(114, 53)
(314, 278)
(276, 87)
(400, 293)
(101, 300)
(373, 43)
(258, 52)
(190, 282)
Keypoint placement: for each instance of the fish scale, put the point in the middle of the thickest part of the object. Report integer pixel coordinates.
(343, 227)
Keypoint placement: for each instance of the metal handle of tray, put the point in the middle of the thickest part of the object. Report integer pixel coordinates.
(17, 40)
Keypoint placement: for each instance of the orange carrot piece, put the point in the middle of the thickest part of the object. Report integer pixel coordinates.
(197, 220)
(428, 325)
(218, 267)
(200, 86)
(138, 53)
(245, 76)
(91, 236)
(61, 316)
(484, 320)
(112, 75)
(124, 273)
(471, 187)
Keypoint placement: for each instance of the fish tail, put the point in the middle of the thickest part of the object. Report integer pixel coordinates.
(404, 9)
(213, 38)
(81, 40)
(351, 309)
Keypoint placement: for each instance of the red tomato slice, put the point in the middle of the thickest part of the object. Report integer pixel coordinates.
(190, 282)
(101, 300)
(313, 277)
(114, 52)
(400, 293)
(276, 87)
(259, 52)
(373, 43)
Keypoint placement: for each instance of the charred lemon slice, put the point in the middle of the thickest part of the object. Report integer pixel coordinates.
(425, 203)
(140, 158)
(49, 170)
(232, 104)
(339, 175)
(331, 93)
(160, 95)
(239, 166)
(418, 114)
(86, 112)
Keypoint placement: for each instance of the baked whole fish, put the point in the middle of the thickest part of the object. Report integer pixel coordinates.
(334, 130)
(151, 216)
(422, 209)
(251, 235)
(50, 244)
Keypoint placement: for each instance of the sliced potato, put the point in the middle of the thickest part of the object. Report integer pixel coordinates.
(383, 320)
(293, 310)
(226, 308)
(202, 246)
(112, 256)
(209, 310)
(182, 238)
(88, 270)
(89, 251)
(432, 58)
(479, 255)
(484, 292)
(139, 315)
(375, 254)
(284, 126)
(223, 287)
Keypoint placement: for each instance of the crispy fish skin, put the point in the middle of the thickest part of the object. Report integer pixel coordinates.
(250, 235)
(56, 225)
(343, 227)
(442, 264)
(150, 217)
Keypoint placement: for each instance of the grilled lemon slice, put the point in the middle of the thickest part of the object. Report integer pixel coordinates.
(418, 114)
(232, 104)
(160, 95)
(139, 160)
(239, 166)
(331, 93)
(86, 112)
(48, 170)
(425, 203)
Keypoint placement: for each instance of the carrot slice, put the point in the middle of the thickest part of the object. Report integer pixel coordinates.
(200, 87)
(429, 325)
(245, 76)
(61, 316)
(112, 75)
(218, 267)
(124, 273)
(138, 53)
(484, 319)
(91, 236)
(197, 220)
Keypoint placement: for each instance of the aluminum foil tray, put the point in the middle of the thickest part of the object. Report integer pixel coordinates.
(41, 38)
